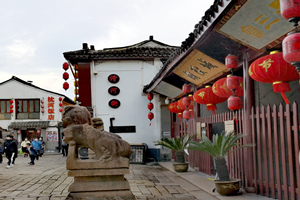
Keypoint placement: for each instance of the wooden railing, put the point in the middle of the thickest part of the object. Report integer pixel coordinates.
(272, 165)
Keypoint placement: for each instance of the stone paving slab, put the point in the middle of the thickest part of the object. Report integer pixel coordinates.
(48, 180)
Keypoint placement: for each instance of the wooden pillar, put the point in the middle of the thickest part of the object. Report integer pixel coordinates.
(247, 127)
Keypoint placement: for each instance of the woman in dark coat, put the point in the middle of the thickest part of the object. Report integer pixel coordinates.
(11, 150)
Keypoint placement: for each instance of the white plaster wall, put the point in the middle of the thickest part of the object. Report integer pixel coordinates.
(133, 110)
(17, 90)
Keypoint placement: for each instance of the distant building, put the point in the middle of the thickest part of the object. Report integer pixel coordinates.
(28, 111)
(111, 82)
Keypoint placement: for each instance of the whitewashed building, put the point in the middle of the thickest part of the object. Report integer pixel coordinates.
(111, 82)
(28, 111)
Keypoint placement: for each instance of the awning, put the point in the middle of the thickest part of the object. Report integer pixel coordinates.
(30, 124)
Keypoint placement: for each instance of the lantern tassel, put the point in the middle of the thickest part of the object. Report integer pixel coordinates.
(211, 107)
(282, 87)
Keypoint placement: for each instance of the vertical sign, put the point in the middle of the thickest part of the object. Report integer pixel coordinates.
(51, 108)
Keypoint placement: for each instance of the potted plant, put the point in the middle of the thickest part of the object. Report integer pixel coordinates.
(179, 145)
(218, 148)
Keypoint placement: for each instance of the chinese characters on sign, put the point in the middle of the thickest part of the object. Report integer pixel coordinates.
(199, 68)
(50, 108)
(114, 103)
(52, 136)
(256, 23)
(113, 78)
(113, 90)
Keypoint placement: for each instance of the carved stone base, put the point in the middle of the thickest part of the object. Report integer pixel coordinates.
(92, 183)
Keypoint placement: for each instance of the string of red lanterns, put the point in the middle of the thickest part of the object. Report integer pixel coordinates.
(11, 106)
(65, 76)
(290, 10)
(150, 107)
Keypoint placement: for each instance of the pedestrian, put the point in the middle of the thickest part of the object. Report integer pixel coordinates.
(1, 150)
(11, 150)
(24, 146)
(65, 147)
(42, 146)
(36, 144)
(31, 152)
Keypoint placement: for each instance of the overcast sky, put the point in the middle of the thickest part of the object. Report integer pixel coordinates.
(34, 34)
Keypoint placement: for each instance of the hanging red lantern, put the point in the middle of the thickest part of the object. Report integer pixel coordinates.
(65, 76)
(150, 96)
(174, 108)
(206, 96)
(186, 88)
(272, 68)
(150, 106)
(290, 10)
(179, 115)
(150, 117)
(231, 61)
(66, 85)
(234, 103)
(186, 101)
(186, 114)
(11, 106)
(181, 104)
(42, 110)
(60, 98)
(65, 66)
(11, 111)
(233, 82)
(291, 49)
(60, 109)
(11, 101)
(220, 88)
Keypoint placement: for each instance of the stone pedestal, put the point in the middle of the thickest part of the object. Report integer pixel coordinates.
(100, 183)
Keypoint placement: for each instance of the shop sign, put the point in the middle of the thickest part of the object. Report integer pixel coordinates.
(113, 78)
(51, 108)
(114, 90)
(255, 23)
(168, 90)
(114, 103)
(198, 68)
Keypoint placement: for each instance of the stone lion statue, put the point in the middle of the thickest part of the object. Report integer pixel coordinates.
(79, 129)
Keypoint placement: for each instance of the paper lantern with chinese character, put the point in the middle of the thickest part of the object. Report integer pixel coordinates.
(291, 49)
(220, 88)
(206, 96)
(274, 69)
(234, 103)
(290, 10)
(174, 108)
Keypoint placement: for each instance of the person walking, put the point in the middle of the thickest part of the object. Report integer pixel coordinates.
(65, 147)
(11, 150)
(42, 146)
(36, 144)
(31, 152)
(1, 150)
(24, 146)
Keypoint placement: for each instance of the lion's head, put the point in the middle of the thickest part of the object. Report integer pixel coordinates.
(76, 115)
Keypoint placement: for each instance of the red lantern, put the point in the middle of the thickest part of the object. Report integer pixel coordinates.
(11, 106)
(290, 10)
(206, 96)
(66, 85)
(11, 111)
(42, 110)
(291, 49)
(233, 82)
(186, 88)
(65, 76)
(60, 99)
(60, 104)
(11, 101)
(186, 114)
(273, 69)
(186, 101)
(150, 106)
(231, 61)
(42, 101)
(150, 115)
(179, 115)
(150, 96)
(234, 103)
(174, 108)
(60, 109)
(220, 88)
(65, 66)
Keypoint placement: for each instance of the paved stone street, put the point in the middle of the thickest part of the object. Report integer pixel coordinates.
(48, 180)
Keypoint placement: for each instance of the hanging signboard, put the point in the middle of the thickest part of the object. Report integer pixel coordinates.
(198, 68)
(255, 23)
(168, 90)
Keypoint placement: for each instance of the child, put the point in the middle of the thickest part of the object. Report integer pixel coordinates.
(31, 152)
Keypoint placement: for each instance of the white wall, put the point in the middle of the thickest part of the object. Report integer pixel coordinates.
(133, 110)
